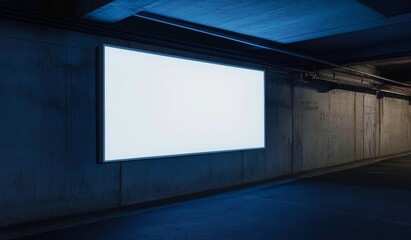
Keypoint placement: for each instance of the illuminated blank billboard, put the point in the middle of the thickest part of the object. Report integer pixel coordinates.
(154, 105)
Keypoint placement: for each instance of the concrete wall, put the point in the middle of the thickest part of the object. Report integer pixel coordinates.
(48, 133)
(395, 123)
(324, 125)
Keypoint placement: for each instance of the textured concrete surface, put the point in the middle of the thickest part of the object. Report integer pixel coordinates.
(279, 123)
(370, 202)
(359, 125)
(48, 149)
(292, 23)
(371, 126)
(47, 140)
(150, 180)
(324, 126)
(395, 126)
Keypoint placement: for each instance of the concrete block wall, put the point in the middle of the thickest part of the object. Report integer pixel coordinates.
(48, 132)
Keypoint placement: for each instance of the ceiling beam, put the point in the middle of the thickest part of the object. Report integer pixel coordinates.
(384, 22)
(385, 50)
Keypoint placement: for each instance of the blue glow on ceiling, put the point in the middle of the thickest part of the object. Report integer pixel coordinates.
(282, 21)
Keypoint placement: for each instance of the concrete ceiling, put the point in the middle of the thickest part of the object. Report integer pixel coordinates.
(282, 21)
(340, 31)
(398, 68)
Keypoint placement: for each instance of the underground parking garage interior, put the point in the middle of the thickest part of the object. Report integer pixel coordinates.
(190, 119)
